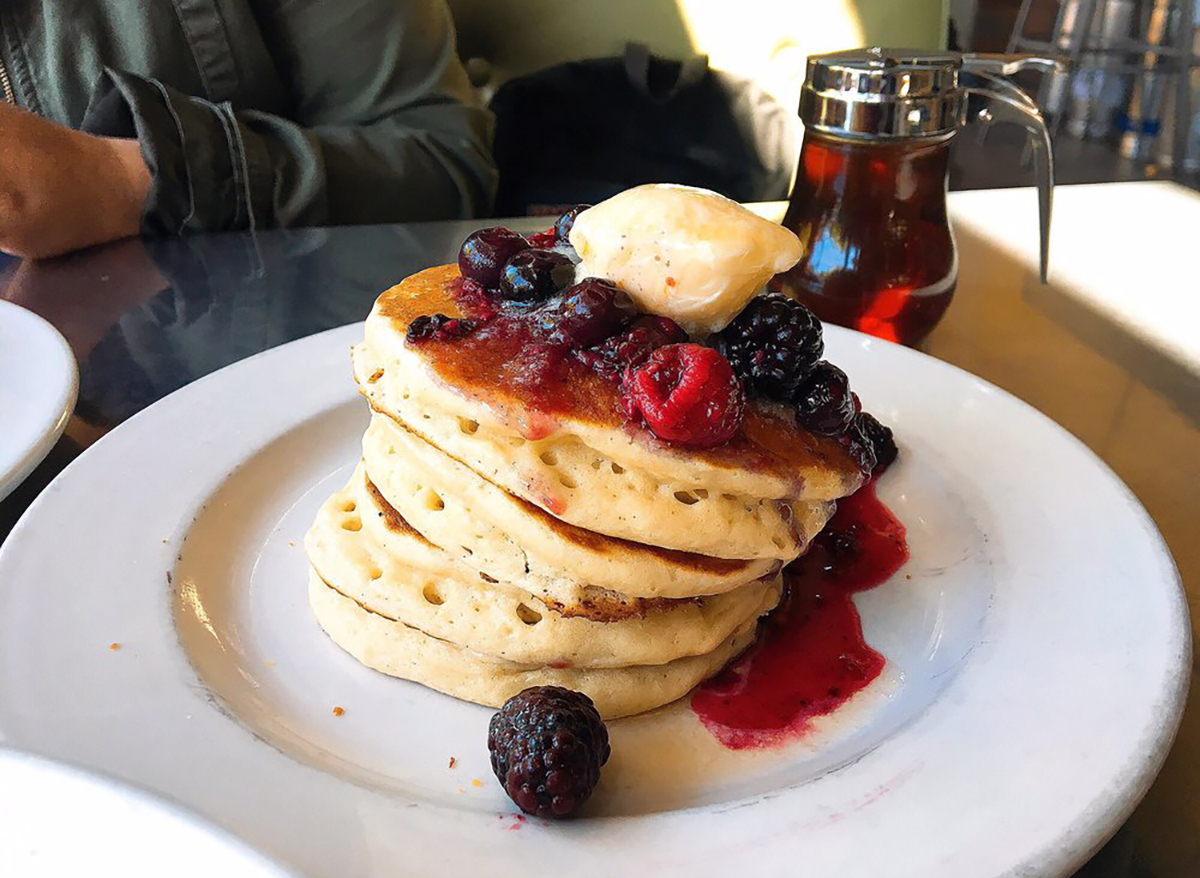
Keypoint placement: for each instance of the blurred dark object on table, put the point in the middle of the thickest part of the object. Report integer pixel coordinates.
(585, 130)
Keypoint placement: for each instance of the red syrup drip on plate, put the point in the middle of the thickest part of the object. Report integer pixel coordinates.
(810, 657)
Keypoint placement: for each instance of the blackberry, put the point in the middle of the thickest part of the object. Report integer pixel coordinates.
(824, 403)
(856, 441)
(773, 344)
(438, 326)
(880, 438)
(547, 746)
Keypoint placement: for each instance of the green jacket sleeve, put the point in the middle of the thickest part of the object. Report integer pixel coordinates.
(383, 129)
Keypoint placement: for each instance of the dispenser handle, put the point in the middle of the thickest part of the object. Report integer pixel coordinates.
(983, 76)
(1006, 65)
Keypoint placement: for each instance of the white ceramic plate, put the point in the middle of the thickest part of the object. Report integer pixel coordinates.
(38, 383)
(1037, 641)
(56, 820)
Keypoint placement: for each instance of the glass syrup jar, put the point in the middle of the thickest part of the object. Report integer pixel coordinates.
(869, 201)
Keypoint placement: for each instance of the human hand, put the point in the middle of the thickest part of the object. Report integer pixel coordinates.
(61, 190)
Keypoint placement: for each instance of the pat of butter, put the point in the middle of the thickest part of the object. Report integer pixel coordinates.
(681, 252)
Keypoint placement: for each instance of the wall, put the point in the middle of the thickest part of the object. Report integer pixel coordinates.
(764, 40)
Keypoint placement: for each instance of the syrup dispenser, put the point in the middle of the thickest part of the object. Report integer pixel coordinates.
(869, 202)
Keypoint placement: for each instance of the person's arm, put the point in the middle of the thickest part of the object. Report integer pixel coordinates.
(383, 127)
(62, 190)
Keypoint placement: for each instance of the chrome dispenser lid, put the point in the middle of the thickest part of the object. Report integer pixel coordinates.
(879, 92)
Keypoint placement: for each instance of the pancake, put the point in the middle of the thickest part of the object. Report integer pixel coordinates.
(511, 524)
(567, 598)
(583, 487)
(512, 540)
(402, 651)
(415, 582)
(497, 385)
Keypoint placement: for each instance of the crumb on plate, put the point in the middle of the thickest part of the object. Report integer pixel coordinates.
(338, 711)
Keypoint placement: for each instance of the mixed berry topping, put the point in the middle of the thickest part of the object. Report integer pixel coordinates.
(773, 344)
(824, 403)
(548, 745)
(687, 394)
(535, 275)
(588, 313)
(438, 326)
(483, 254)
(519, 290)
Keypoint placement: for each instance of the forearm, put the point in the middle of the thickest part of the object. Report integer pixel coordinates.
(383, 127)
(61, 190)
(214, 168)
(131, 184)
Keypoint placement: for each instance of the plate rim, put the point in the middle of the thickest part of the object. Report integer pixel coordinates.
(144, 797)
(1125, 794)
(20, 469)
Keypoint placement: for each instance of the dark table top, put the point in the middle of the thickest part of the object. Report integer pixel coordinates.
(146, 318)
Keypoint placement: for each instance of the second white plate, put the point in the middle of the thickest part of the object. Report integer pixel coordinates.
(38, 385)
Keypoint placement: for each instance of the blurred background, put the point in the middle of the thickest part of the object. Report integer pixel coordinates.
(1127, 111)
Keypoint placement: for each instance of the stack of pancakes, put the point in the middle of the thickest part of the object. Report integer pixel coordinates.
(485, 544)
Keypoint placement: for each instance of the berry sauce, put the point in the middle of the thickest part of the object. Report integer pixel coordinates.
(810, 657)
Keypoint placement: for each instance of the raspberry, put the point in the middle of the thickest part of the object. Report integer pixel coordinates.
(589, 312)
(824, 403)
(437, 326)
(484, 253)
(687, 394)
(868, 430)
(547, 746)
(773, 344)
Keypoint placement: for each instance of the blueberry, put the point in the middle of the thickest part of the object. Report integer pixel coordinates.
(566, 222)
(438, 326)
(590, 311)
(535, 275)
(484, 253)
